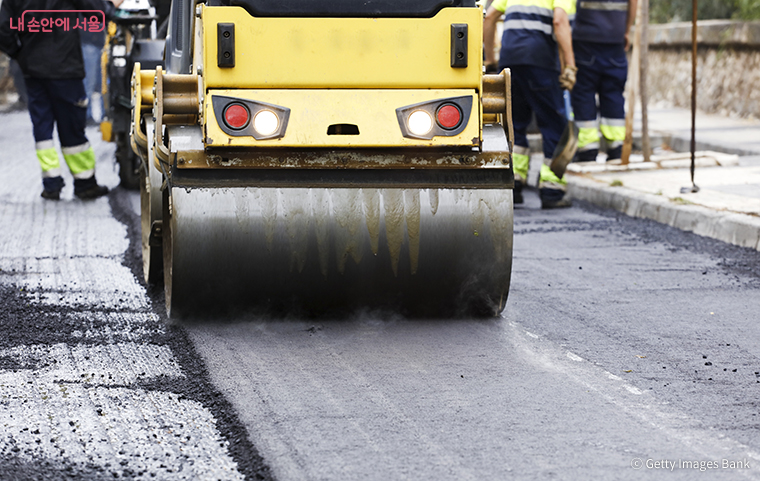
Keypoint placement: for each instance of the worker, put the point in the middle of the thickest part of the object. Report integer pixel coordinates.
(92, 48)
(600, 40)
(48, 49)
(537, 48)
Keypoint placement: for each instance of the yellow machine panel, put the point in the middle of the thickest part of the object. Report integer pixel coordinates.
(312, 112)
(391, 53)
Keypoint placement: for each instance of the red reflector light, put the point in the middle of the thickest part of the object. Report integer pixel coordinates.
(449, 116)
(236, 116)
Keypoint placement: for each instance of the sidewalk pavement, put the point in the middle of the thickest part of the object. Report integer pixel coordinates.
(727, 205)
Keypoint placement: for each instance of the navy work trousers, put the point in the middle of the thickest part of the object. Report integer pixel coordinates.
(61, 103)
(602, 69)
(537, 90)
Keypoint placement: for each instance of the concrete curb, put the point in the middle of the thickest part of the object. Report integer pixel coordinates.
(721, 33)
(738, 229)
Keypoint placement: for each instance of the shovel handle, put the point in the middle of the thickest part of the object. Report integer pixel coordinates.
(568, 106)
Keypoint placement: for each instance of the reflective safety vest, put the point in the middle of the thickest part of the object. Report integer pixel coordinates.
(601, 21)
(529, 32)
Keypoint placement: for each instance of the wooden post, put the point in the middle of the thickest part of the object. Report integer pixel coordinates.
(631, 87)
(644, 59)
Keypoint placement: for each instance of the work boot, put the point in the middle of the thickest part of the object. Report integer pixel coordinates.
(615, 154)
(556, 204)
(89, 189)
(586, 155)
(517, 192)
(51, 187)
(553, 199)
(51, 194)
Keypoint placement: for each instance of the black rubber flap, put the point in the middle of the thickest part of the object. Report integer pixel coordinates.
(347, 8)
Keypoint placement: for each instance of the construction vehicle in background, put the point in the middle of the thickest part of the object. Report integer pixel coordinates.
(313, 155)
(134, 35)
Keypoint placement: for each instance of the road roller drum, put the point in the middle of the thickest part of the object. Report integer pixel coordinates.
(423, 251)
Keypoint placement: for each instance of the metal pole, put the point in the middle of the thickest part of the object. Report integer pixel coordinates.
(693, 188)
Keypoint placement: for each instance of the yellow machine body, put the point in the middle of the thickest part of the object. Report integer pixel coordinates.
(342, 53)
(343, 203)
(330, 71)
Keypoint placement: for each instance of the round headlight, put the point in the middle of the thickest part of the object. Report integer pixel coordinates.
(420, 122)
(266, 122)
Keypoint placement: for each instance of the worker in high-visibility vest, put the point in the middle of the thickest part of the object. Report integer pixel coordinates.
(537, 48)
(600, 40)
(51, 60)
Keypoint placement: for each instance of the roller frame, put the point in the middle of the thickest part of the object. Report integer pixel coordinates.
(216, 259)
(208, 277)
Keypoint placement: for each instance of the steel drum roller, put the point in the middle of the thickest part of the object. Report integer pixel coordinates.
(425, 252)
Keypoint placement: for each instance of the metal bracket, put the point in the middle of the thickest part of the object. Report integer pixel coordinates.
(458, 45)
(497, 99)
(155, 239)
(225, 40)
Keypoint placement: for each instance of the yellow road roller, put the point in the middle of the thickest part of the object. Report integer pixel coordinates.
(312, 156)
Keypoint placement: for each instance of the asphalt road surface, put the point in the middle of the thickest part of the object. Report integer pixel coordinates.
(628, 350)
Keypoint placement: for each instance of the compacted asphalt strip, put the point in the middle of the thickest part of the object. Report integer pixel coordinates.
(623, 341)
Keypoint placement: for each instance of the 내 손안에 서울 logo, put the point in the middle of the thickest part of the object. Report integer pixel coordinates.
(46, 20)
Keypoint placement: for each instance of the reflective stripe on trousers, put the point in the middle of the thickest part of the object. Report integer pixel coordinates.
(521, 162)
(81, 160)
(547, 179)
(48, 157)
(588, 135)
(613, 131)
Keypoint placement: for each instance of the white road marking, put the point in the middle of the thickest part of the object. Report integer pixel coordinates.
(698, 441)
(574, 357)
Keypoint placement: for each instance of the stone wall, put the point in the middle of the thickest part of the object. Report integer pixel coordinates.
(728, 68)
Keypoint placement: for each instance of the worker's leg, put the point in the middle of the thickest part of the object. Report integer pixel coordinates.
(611, 101)
(545, 98)
(521, 115)
(91, 54)
(584, 101)
(41, 113)
(70, 110)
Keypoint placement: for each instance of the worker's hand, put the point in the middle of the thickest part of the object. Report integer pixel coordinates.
(117, 3)
(567, 79)
(627, 41)
(492, 68)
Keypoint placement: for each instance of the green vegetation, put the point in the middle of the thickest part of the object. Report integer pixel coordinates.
(747, 10)
(664, 11)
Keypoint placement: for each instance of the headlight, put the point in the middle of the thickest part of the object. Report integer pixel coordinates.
(266, 122)
(420, 122)
(445, 117)
(243, 117)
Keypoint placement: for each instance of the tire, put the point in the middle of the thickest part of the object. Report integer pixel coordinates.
(150, 212)
(129, 163)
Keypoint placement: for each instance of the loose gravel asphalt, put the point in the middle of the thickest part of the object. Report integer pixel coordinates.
(94, 383)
